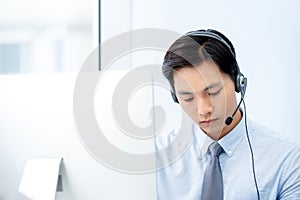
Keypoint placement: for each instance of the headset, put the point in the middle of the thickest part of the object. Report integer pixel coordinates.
(240, 83)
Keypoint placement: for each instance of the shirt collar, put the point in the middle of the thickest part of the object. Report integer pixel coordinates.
(230, 141)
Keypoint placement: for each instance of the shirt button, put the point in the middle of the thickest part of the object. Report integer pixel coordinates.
(229, 152)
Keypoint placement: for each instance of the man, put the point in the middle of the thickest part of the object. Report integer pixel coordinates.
(225, 160)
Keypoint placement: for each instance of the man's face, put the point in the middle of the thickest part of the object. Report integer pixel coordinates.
(207, 95)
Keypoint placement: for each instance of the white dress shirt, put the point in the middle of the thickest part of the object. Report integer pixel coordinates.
(277, 166)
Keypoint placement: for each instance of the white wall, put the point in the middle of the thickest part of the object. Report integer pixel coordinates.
(37, 121)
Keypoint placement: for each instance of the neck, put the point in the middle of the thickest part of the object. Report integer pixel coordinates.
(236, 119)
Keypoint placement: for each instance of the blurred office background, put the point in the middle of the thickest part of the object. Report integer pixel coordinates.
(52, 34)
(44, 43)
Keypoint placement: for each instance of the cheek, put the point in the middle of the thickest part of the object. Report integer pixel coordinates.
(190, 109)
(220, 103)
(230, 101)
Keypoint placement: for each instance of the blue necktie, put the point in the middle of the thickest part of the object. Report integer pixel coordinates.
(213, 182)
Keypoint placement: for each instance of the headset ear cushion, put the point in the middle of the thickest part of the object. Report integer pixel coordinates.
(241, 83)
(174, 97)
(238, 78)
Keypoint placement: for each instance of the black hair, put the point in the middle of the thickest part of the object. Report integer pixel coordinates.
(191, 50)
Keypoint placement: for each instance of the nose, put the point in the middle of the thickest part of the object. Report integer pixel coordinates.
(204, 106)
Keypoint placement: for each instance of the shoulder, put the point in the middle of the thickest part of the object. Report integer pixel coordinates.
(263, 134)
(271, 143)
(164, 139)
(174, 145)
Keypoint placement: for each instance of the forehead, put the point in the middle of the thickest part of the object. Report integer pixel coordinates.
(199, 76)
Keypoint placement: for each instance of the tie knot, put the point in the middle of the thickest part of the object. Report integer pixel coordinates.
(215, 149)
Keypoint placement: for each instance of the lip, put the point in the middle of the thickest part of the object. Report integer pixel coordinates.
(208, 122)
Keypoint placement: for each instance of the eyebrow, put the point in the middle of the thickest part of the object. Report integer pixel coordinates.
(212, 85)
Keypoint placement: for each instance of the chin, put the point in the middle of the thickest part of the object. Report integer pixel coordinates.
(213, 133)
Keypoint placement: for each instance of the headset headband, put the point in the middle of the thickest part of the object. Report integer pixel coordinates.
(210, 34)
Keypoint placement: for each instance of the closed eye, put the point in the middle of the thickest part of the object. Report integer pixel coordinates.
(188, 99)
(214, 93)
